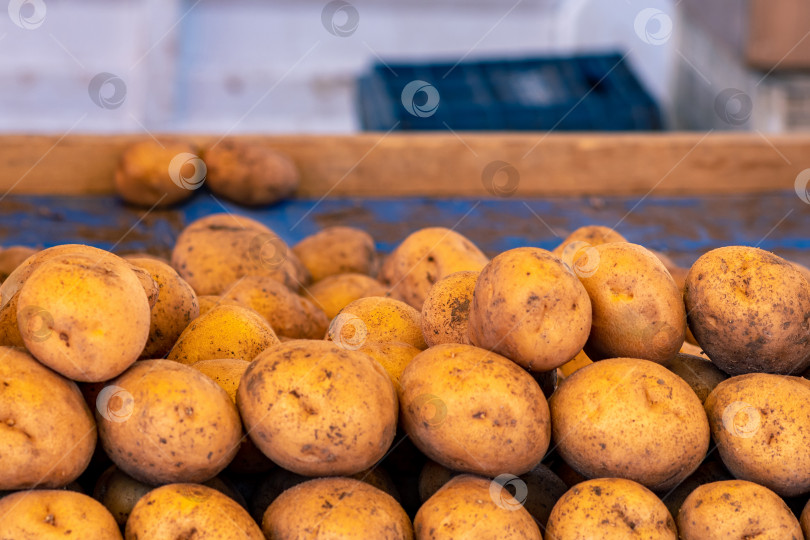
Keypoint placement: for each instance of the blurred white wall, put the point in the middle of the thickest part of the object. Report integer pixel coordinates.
(248, 66)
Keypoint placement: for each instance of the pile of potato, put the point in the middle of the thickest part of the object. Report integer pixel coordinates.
(249, 389)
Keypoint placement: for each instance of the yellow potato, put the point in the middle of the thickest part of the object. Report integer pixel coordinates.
(378, 319)
(394, 356)
(333, 293)
(338, 250)
(144, 174)
(55, 514)
(588, 236)
(209, 301)
(11, 257)
(578, 362)
(446, 311)
(698, 373)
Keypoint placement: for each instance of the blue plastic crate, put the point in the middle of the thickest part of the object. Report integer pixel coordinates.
(586, 92)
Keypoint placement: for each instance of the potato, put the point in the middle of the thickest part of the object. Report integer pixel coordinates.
(377, 319)
(804, 520)
(698, 373)
(11, 257)
(144, 175)
(749, 310)
(610, 508)
(226, 331)
(711, 470)
(588, 236)
(175, 308)
(578, 362)
(761, 424)
(164, 422)
(209, 301)
(394, 356)
(289, 314)
(432, 477)
(317, 409)
(530, 308)
(214, 251)
(736, 509)
(638, 311)
(338, 250)
(425, 257)
(629, 418)
(52, 514)
(803, 270)
(150, 286)
(250, 173)
(47, 432)
(474, 508)
(180, 511)
(333, 293)
(474, 411)
(446, 311)
(337, 508)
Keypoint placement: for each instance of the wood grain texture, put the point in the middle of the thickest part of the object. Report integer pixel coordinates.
(443, 164)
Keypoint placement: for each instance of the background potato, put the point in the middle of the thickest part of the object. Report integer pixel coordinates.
(474, 411)
(425, 257)
(804, 520)
(341, 507)
(11, 257)
(333, 293)
(736, 509)
(177, 511)
(711, 470)
(150, 286)
(592, 235)
(528, 307)
(638, 310)
(317, 409)
(761, 424)
(143, 177)
(699, 373)
(226, 331)
(446, 311)
(610, 508)
(165, 422)
(394, 356)
(749, 310)
(466, 508)
(338, 250)
(629, 418)
(52, 514)
(47, 432)
(378, 319)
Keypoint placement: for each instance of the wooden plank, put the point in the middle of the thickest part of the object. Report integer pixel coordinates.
(443, 164)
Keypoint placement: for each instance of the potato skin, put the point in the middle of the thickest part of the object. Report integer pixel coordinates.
(530, 308)
(11, 257)
(378, 319)
(47, 433)
(629, 418)
(699, 373)
(736, 509)
(465, 508)
(338, 250)
(394, 356)
(317, 409)
(333, 293)
(804, 520)
(165, 422)
(761, 424)
(52, 514)
(592, 235)
(142, 176)
(474, 411)
(341, 507)
(638, 310)
(749, 311)
(177, 511)
(610, 509)
(446, 311)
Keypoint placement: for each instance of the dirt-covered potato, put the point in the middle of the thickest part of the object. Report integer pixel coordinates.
(761, 424)
(638, 310)
(749, 310)
(587, 236)
(338, 250)
(11, 257)
(175, 308)
(474, 411)
(226, 331)
(144, 174)
(629, 418)
(333, 293)
(475, 508)
(446, 311)
(289, 314)
(190, 511)
(213, 252)
(378, 319)
(394, 356)
(318, 409)
(610, 509)
(165, 422)
(698, 373)
(250, 173)
(338, 508)
(530, 308)
(47, 432)
(150, 286)
(425, 257)
(736, 509)
(55, 514)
